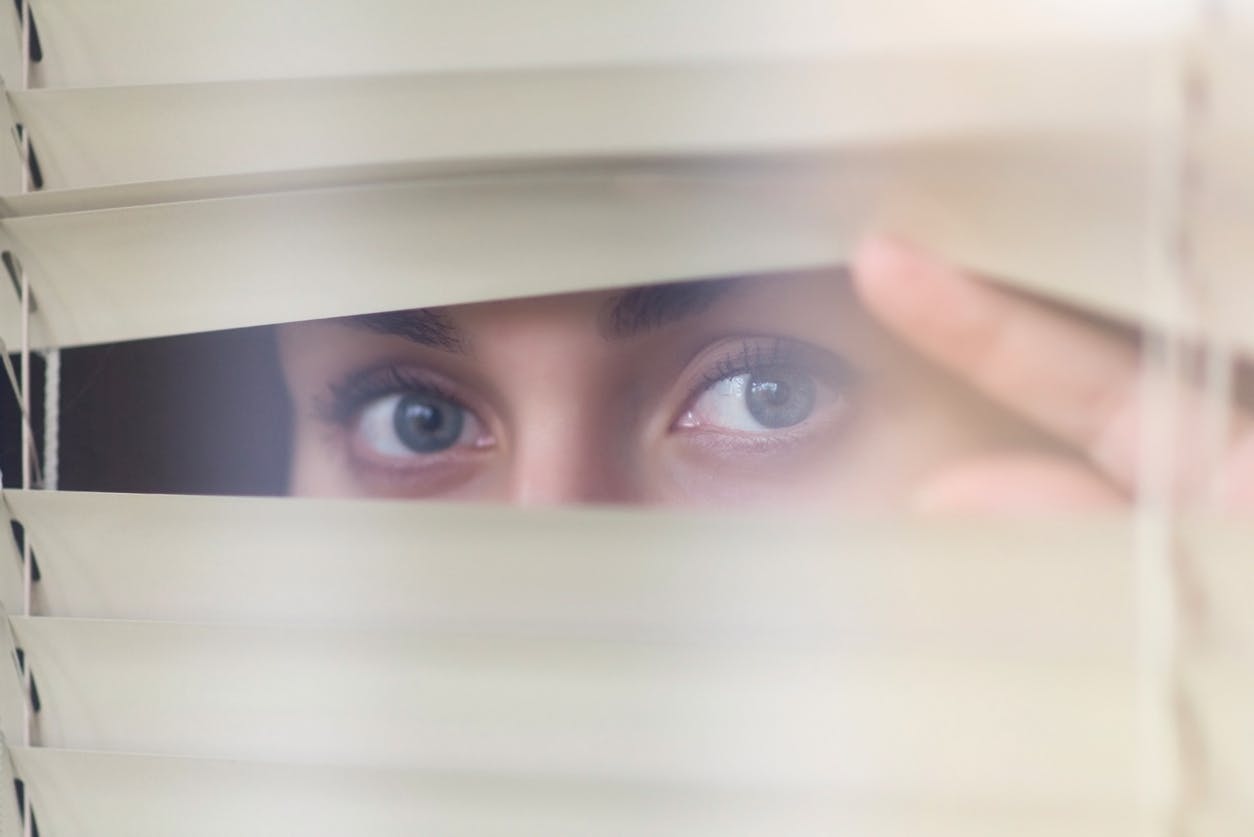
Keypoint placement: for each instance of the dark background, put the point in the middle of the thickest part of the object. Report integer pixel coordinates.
(198, 414)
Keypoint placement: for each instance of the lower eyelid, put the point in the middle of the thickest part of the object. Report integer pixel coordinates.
(763, 454)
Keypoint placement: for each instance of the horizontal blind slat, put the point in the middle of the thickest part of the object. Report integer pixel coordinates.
(1043, 731)
(13, 703)
(152, 270)
(996, 733)
(162, 132)
(162, 557)
(1220, 691)
(79, 794)
(165, 41)
(1217, 567)
(897, 583)
(1224, 205)
(1006, 208)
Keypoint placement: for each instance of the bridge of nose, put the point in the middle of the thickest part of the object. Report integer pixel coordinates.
(570, 431)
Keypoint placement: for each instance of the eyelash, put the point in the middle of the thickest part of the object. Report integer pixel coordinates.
(348, 397)
(752, 357)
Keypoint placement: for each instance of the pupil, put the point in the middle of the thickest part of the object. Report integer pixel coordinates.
(427, 423)
(781, 399)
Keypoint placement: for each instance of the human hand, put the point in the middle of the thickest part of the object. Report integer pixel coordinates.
(1077, 381)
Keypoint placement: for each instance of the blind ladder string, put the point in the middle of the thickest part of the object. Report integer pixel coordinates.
(52, 420)
(1220, 356)
(1218, 376)
(27, 560)
(1169, 762)
(27, 440)
(1159, 762)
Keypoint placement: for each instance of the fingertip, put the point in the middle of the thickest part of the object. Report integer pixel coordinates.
(891, 275)
(1236, 490)
(885, 252)
(938, 308)
(881, 258)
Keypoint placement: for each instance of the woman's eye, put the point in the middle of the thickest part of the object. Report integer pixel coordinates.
(404, 424)
(757, 401)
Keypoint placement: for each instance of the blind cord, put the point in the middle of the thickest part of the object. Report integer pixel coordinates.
(27, 561)
(52, 419)
(24, 393)
(1171, 759)
(1220, 355)
(27, 458)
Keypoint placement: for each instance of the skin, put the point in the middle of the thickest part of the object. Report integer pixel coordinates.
(933, 390)
(1080, 383)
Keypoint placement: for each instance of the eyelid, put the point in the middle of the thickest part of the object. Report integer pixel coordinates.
(347, 397)
(739, 355)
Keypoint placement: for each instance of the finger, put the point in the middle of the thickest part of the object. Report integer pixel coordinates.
(1236, 489)
(1018, 485)
(1069, 377)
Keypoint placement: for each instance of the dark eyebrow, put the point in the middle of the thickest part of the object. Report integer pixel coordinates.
(638, 310)
(628, 314)
(424, 326)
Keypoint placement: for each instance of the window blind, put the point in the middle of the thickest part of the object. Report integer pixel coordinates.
(977, 121)
(325, 667)
(858, 675)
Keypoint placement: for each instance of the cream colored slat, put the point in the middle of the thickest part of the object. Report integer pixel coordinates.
(1225, 206)
(12, 695)
(112, 275)
(106, 795)
(10, 151)
(1220, 691)
(892, 583)
(1042, 731)
(243, 185)
(12, 571)
(1009, 209)
(10, 48)
(1220, 821)
(94, 137)
(1219, 575)
(165, 41)
(10, 813)
(12, 601)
